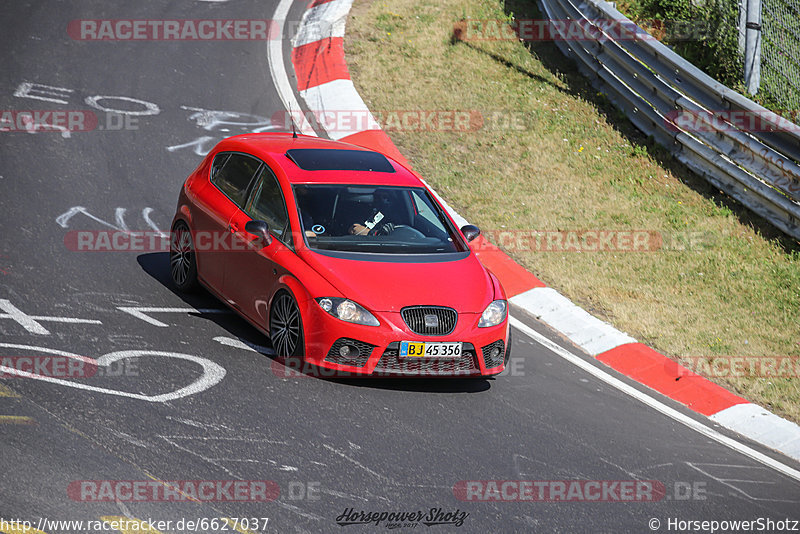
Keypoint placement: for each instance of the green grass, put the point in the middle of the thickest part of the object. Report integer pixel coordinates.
(553, 154)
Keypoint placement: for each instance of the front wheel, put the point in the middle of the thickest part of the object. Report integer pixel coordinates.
(286, 327)
(182, 260)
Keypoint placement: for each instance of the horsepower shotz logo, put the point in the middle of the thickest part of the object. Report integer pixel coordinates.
(406, 519)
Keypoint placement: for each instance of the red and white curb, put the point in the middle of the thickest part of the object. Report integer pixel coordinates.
(324, 84)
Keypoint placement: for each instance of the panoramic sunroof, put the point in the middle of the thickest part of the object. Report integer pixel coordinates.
(327, 159)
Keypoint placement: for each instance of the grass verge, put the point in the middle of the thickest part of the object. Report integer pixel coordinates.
(554, 155)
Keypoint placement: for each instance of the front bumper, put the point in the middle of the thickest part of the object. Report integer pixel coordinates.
(483, 353)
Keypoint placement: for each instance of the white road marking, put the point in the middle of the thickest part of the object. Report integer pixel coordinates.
(212, 119)
(146, 216)
(12, 312)
(130, 439)
(198, 424)
(235, 343)
(343, 495)
(124, 509)
(239, 344)
(225, 438)
(119, 218)
(31, 322)
(119, 214)
(653, 403)
(213, 373)
(140, 312)
(149, 107)
(359, 464)
(763, 426)
(729, 482)
(199, 145)
(26, 89)
(219, 460)
(278, 70)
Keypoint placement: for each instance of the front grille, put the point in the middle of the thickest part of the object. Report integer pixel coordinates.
(487, 354)
(364, 351)
(391, 363)
(415, 318)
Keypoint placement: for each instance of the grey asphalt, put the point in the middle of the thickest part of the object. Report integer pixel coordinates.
(329, 445)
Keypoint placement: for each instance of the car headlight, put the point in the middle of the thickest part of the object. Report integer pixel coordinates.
(494, 314)
(347, 310)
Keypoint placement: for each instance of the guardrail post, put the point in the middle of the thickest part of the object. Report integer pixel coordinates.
(752, 46)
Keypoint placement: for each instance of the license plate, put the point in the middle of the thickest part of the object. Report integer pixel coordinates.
(430, 349)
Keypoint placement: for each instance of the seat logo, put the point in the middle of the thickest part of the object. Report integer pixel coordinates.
(431, 321)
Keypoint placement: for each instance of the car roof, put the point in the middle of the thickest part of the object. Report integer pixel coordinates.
(273, 147)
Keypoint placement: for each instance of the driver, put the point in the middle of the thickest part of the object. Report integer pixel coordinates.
(379, 229)
(377, 223)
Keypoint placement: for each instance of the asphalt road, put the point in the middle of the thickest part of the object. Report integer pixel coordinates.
(232, 413)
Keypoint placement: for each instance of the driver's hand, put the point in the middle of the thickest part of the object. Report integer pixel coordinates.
(385, 229)
(359, 229)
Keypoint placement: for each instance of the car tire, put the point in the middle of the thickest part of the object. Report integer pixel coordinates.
(286, 327)
(182, 258)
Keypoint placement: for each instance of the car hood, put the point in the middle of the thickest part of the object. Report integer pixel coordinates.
(381, 286)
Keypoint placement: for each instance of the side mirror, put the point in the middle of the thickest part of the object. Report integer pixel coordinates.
(470, 231)
(259, 229)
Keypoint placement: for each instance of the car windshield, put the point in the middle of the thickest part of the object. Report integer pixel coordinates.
(374, 219)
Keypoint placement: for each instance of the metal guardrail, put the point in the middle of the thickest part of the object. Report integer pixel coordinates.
(654, 85)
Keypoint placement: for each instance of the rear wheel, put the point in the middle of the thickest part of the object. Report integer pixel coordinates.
(182, 260)
(286, 327)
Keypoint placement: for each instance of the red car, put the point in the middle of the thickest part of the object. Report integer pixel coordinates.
(341, 256)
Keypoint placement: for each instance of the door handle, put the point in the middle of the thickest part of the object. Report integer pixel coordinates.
(233, 227)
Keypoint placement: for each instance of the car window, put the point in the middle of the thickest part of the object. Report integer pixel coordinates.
(234, 175)
(219, 162)
(425, 210)
(374, 219)
(266, 203)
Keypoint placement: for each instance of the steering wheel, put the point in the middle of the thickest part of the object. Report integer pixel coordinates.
(403, 230)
